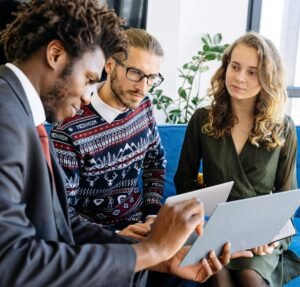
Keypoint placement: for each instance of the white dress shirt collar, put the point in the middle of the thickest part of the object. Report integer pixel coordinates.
(34, 100)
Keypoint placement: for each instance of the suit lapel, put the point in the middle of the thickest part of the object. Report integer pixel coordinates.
(58, 198)
(13, 82)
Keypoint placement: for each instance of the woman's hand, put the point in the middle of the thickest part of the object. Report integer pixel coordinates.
(265, 249)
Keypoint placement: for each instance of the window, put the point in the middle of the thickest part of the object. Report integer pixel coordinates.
(280, 21)
(134, 11)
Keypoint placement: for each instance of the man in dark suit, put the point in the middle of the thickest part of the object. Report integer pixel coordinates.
(56, 50)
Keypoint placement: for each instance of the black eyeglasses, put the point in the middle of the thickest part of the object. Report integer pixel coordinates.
(135, 75)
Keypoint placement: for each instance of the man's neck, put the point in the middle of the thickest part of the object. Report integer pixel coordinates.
(108, 97)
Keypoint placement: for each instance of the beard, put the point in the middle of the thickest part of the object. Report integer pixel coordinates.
(57, 96)
(120, 94)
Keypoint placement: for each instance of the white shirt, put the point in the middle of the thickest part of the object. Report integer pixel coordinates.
(34, 100)
(104, 110)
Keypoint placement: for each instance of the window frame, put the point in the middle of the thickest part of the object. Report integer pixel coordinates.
(253, 24)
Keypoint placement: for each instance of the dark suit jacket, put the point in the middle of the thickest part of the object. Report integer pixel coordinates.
(39, 244)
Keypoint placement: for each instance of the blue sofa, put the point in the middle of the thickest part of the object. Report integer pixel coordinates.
(172, 138)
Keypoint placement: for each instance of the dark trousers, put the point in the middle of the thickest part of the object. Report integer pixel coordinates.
(157, 279)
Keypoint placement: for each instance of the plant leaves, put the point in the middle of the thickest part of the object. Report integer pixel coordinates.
(210, 56)
(178, 110)
(203, 69)
(182, 93)
(217, 39)
(204, 40)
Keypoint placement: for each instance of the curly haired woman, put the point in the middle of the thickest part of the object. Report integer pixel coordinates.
(245, 136)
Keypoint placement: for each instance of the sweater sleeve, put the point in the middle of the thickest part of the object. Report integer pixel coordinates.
(286, 169)
(154, 172)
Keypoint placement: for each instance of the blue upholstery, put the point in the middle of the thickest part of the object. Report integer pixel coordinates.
(172, 138)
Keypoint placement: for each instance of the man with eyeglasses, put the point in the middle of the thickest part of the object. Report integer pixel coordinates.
(114, 141)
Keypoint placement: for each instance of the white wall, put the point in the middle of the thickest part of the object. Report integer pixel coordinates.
(179, 25)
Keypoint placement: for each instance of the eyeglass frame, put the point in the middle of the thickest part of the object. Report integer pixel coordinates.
(143, 75)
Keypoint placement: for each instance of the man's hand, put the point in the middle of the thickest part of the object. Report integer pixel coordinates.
(199, 272)
(137, 231)
(170, 230)
(150, 219)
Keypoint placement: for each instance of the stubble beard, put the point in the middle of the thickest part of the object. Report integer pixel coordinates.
(57, 95)
(119, 94)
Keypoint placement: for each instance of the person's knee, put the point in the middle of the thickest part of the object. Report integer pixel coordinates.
(249, 278)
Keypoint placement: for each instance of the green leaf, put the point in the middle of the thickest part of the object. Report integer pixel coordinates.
(206, 48)
(182, 93)
(194, 68)
(175, 112)
(217, 39)
(210, 56)
(203, 69)
(183, 76)
(204, 40)
(195, 101)
(218, 49)
(209, 38)
(190, 79)
(167, 99)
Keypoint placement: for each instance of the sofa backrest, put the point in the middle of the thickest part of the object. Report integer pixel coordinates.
(172, 139)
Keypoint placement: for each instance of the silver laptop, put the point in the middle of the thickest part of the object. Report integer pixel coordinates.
(245, 223)
(210, 196)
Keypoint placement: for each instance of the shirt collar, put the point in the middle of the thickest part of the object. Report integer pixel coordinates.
(34, 100)
(108, 113)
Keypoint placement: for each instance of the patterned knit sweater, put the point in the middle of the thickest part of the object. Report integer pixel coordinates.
(103, 162)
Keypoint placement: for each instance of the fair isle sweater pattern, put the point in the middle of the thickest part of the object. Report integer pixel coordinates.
(103, 162)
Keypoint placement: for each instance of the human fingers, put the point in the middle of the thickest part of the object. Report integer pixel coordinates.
(178, 221)
(205, 272)
(217, 264)
(254, 250)
(263, 250)
(245, 253)
(130, 234)
(199, 228)
(140, 228)
(274, 244)
(138, 231)
(225, 257)
(259, 250)
(150, 220)
(192, 206)
(195, 212)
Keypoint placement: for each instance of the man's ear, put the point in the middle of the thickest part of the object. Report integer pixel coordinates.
(56, 55)
(109, 65)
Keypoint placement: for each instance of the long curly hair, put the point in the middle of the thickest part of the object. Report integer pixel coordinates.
(268, 128)
(80, 25)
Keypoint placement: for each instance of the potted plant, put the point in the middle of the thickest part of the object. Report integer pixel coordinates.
(180, 109)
